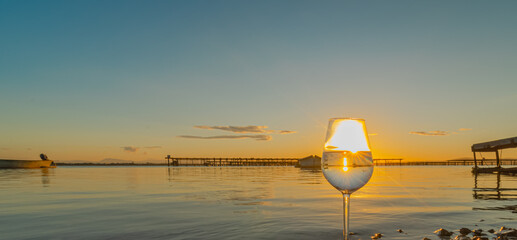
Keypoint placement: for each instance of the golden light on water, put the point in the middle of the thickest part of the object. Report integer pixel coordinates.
(345, 164)
(348, 135)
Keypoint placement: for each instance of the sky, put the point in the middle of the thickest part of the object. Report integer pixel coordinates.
(138, 80)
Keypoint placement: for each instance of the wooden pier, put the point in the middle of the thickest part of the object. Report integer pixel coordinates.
(186, 161)
(189, 161)
(212, 161)
(387, 161)
(484, 162)
(495, 147)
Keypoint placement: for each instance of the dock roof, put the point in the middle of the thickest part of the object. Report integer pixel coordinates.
(495, 145)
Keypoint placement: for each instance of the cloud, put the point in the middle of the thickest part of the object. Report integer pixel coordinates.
(256, 137)
(135, 149)
(245, 129)
(431, 133)
(465, 129)
(238, 129)
(153, 147)
(130, 149)
(286, 132)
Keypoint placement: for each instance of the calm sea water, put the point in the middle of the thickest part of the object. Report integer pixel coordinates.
(245, 203)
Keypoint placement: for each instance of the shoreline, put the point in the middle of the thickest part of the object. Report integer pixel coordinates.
(199, 165)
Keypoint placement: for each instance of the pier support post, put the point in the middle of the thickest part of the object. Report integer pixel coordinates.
(497, 158)
(475, 161)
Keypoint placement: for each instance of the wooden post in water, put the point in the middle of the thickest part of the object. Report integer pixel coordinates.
(497, 158)
(168, 160)
(475, 161)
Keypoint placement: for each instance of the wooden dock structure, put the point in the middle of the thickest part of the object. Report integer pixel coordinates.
(387, 161)
(189, 161)
(213, 161)
(466, 162)
(495, 147)
(483, 162)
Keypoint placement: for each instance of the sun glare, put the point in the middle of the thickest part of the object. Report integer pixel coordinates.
(345, 164)
(348, 135)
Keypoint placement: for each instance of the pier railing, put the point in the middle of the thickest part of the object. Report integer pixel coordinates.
(184, 161)
(211, 161)
(488, 162)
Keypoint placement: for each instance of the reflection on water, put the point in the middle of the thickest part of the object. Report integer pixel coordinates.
(495, 186)
(235, 193)
(45, 177)
(243, 202)
(8, 176)
(493, 192)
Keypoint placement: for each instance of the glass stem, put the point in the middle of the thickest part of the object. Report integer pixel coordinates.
(346, 213)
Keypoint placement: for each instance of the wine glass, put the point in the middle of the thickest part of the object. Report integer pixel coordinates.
(347, 162)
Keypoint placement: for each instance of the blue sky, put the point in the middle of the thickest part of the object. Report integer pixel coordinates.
(84, 79)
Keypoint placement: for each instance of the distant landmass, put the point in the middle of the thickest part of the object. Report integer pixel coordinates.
(114, 160)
